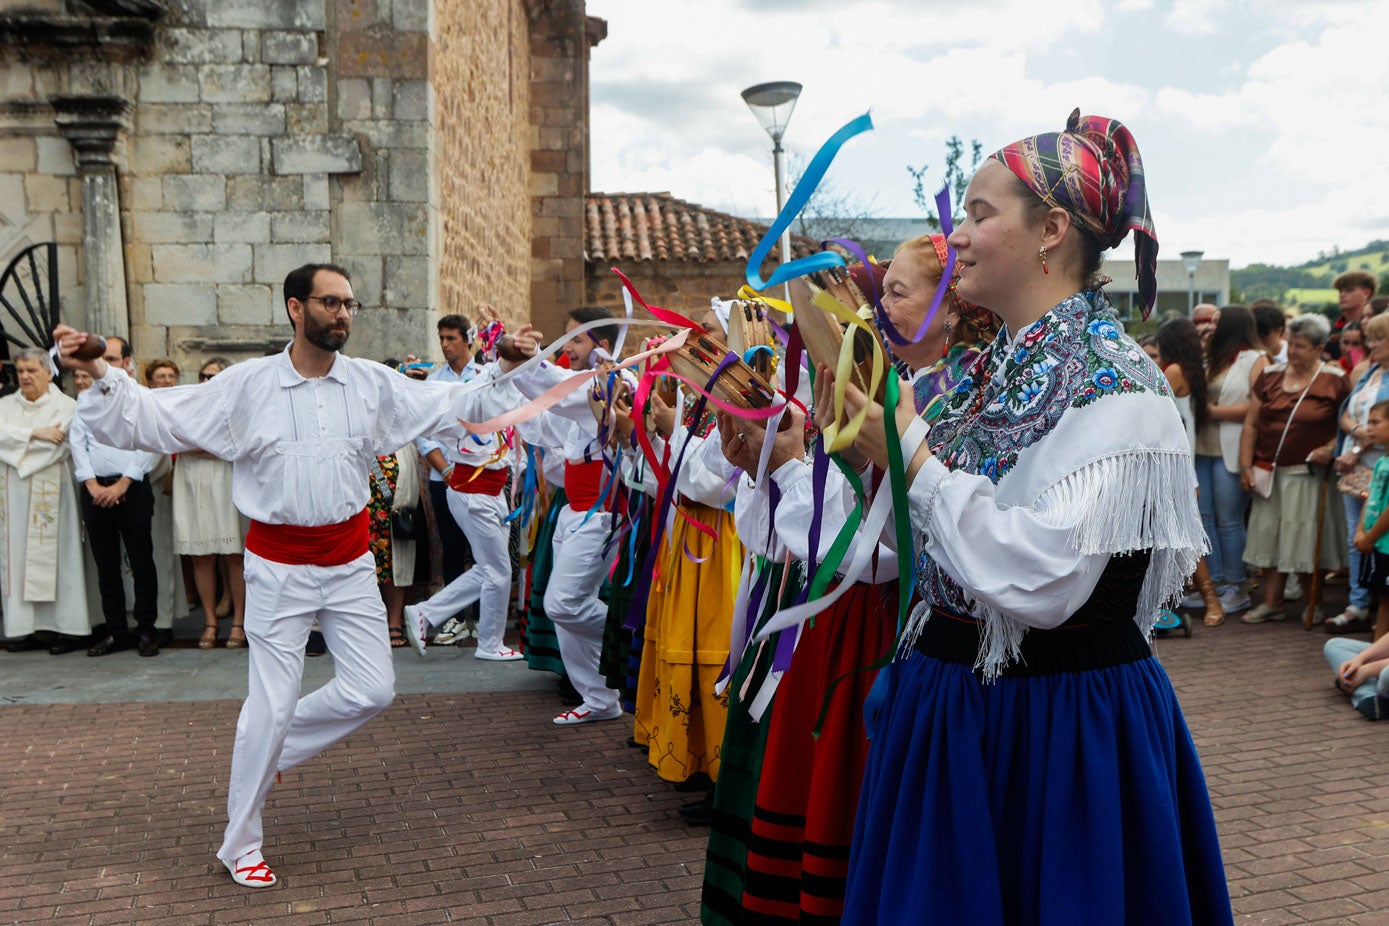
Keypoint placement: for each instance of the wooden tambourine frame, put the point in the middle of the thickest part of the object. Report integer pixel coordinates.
(823, 334)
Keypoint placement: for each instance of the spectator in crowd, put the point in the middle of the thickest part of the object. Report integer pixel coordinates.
(1181, 360)
(1150, 346)
(207, 526)
(1204, 317)
(1362, 669)
(160, 374)
(1290, 433)
(1351, 346)
(1357, 459)
(41, 576)
(118, 509)
(395, 487)
(1378, 304)
(1271, 321)
(1355, 289)
(1234, 361)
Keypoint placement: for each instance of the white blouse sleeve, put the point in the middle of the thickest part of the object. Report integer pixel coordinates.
(796, 510)
(1008, 559)
(706, 476)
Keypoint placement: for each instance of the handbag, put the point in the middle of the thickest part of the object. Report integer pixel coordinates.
(1261, 474)
(408, 523)
(1356, 483)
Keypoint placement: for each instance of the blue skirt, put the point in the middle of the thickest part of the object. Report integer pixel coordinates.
(1055, 800)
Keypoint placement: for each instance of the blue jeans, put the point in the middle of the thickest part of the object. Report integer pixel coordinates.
(1359, 594)
(1222, 503)
(1340, 649)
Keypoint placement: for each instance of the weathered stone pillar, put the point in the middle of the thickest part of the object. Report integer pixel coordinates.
(91, 125)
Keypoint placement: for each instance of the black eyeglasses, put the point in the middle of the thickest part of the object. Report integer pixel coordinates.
(204, 377)
(333, 303)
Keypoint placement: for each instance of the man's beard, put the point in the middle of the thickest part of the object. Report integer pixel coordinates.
(324, 337)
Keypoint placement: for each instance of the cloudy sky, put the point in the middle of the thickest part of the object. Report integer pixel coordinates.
(1263, 123)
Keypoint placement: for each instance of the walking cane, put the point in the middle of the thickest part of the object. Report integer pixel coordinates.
(1314, 593)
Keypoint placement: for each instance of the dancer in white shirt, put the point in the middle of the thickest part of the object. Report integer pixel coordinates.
(301, 429)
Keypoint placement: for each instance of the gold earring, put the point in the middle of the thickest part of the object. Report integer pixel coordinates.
(1042, 253)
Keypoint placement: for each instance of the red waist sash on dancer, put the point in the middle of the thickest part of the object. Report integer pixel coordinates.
(474, 480)
(583, 483)
(325, 545)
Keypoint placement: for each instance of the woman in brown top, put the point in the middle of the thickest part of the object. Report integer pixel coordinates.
(1291, 428)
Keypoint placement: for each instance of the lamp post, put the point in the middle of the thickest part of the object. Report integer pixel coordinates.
(1192, 260)
(772, 104)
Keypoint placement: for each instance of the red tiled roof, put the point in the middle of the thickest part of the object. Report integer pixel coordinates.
(657, 226)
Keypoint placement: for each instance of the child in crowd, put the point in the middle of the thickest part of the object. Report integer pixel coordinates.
(1362, 669)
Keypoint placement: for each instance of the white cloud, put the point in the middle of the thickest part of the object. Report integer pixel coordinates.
(1262, 121)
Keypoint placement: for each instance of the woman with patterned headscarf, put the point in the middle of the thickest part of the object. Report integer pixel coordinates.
(1029, 761)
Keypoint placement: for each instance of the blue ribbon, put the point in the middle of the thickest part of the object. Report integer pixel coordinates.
(814, 173)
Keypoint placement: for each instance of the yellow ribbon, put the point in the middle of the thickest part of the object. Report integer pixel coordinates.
(840, 433)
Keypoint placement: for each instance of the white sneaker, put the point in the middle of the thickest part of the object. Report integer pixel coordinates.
(505, 654)
(250, 870)
(415, 628)
(452, 631)
(1292, 589)
(1233, 599)
(582, 714)
(1192, 601)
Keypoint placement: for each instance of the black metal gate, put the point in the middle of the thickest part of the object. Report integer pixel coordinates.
(28, 304)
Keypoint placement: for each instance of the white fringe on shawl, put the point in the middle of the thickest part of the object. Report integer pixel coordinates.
(1137, 499)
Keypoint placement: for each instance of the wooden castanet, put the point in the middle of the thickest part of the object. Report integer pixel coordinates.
(90, 349)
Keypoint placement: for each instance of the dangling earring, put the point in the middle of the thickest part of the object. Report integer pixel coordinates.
(947, 330)
(1042, 253)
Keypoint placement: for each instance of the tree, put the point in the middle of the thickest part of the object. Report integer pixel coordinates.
(956, 179)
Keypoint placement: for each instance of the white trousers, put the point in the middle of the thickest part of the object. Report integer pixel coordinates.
(572, 602)
(488, 582)
(277, 728)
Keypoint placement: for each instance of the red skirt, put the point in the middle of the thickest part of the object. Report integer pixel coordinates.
(798, 853)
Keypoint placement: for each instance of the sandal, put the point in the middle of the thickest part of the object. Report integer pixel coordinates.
(398, 638)
(209, 637)
(237, 638)
(1214, 618)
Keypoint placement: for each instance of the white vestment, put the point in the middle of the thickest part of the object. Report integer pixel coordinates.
(41, 569)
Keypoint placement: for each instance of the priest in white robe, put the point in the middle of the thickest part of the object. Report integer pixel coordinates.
(41, 569)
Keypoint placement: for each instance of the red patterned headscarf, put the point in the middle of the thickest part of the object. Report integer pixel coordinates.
(1093, 171)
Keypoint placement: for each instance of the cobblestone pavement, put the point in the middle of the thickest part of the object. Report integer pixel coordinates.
(474, 808)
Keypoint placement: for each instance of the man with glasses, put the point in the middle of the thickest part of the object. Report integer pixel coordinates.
(301, 429)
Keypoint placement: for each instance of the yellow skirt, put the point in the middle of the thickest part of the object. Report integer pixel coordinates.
(678, 717)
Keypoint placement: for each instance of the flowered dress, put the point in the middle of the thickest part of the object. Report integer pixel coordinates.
(379, 515)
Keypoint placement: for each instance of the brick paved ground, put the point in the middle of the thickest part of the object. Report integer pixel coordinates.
(476, 809)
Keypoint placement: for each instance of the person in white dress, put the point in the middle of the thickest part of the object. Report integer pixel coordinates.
(207, 526)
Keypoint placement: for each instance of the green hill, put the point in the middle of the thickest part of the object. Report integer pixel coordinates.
(1308, 286)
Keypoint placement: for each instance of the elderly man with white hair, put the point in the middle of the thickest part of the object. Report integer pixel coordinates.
(39, 535)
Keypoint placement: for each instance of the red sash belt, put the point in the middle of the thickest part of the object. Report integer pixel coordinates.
(328, 545)
(477, 481)
(583, 482)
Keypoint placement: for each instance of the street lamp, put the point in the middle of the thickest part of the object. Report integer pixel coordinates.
(772, 104)
(1192, 260)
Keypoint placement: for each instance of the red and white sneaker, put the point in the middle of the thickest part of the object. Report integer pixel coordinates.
(250, 870)
(583, 714)
(505, 654)
(415, 628)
